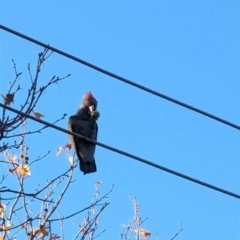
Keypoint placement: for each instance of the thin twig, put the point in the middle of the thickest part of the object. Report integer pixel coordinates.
(180, 229)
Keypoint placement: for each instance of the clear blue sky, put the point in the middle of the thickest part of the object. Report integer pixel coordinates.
(188, 50)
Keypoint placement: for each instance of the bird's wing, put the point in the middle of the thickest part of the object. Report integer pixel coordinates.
(82, 146)
(74, 125)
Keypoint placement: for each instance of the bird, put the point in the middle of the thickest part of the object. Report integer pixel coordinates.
(84, 123)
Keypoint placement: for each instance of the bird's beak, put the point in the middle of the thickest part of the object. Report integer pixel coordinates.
(91, 108)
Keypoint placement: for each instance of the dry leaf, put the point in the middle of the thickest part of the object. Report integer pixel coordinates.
(42, 230)
(23, 171)
(68, 146)
(9, 98)
(24, 225)
(144, 233)
(12, 170)
(98, 182)
(6, 226)
(31, 232)
(12, 158)
(2, 209)
(59, 150)
(53, 237)
(38, 115)
(70, 158)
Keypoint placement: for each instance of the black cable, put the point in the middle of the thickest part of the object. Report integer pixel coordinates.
(124, 153)
(121, 78)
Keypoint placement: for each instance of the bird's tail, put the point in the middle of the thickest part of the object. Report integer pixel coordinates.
(88, 167)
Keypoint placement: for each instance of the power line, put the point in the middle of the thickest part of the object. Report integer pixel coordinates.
(124, 153)
(121, 78)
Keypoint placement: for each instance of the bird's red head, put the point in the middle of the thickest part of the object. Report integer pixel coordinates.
(89, 100)
(88, 95)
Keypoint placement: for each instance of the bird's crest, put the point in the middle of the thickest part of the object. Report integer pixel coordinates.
(88, 95)
(89, 99)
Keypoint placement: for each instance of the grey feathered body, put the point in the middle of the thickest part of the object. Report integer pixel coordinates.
(83, 124)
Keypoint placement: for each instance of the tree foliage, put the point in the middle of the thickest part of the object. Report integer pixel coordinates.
(24, 211)
(34, 212)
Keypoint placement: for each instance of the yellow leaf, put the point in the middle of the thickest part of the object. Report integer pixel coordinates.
(12, 158)
(23, 171)
(8, 225)
(38, 115)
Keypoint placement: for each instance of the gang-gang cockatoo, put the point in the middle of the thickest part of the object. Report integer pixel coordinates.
(84, 123)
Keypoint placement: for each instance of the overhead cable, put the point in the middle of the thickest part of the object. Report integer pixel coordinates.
(124, 153)
(121, 78)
